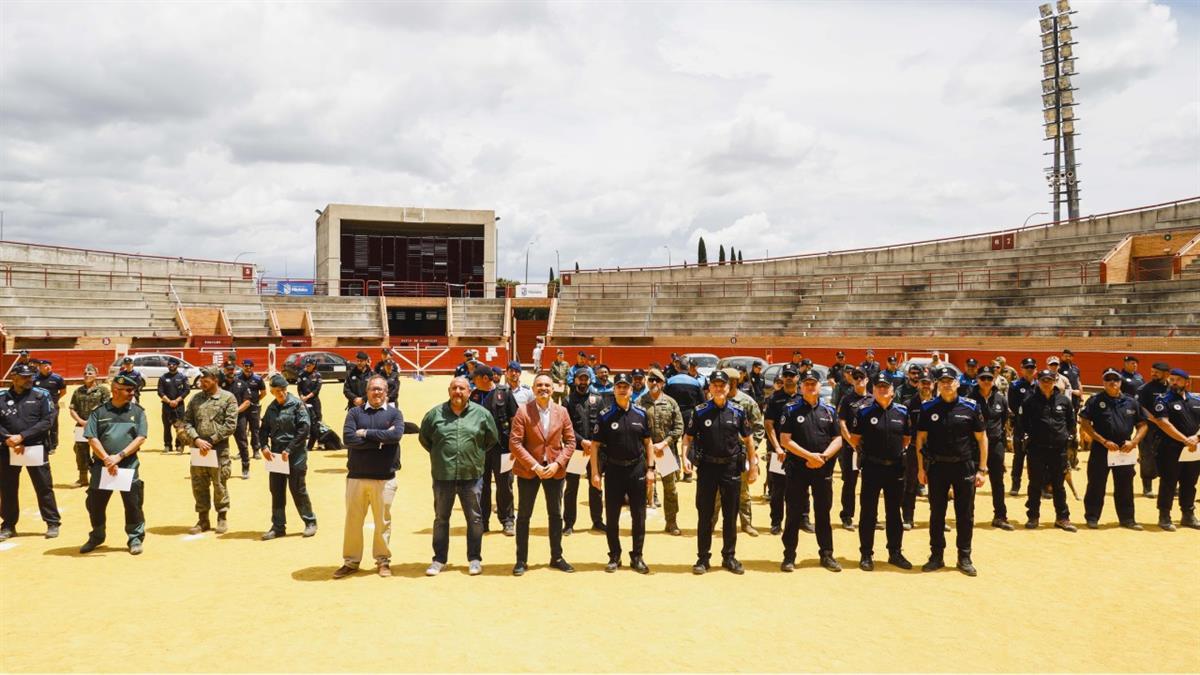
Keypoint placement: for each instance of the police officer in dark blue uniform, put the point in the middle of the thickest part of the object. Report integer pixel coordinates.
(777, 404)
(53, 383)
(173, 389)
(355, 386)
(912, 486)
(1047, 425)
(847, 409)
(25, 417)
(719, 433)
(994, 408)
(1178, 416)
(969, 377)
(237, 386)
(1131, 379)
(621, 451)
(1148, 450)
(1018, 391)
(880, 430)
(256, 389)
(809, 433)
(945, 461)
(308, 385)
(1114, 422)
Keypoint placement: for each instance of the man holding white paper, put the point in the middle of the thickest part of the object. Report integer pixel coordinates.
(1177, 414)
(211, 417)
(86, 398)
(666, 428)
(25, 417)
(115, 431)
(1114, 422)
(283, 434)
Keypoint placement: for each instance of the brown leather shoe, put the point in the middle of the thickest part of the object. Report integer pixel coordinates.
(385, 570)
(344, 571)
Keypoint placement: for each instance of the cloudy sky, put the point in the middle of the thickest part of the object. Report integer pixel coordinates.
(612, 133)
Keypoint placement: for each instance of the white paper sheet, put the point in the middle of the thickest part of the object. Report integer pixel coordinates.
(205, 460)
(79, 435)
(1122, 458)
(506, 462)
(667, 464)
(34, 455)
(578, 463)
(853, 459)
(1185, 456)
(774, 465)
(277, 464)
(121, 482)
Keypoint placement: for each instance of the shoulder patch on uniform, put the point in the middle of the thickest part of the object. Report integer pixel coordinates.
(704, 406)
(865, 409)
(826, 406)
(638, 409)
(928, 404)
(735, 406)
(969, 403)
(902, 408)
(604, 414)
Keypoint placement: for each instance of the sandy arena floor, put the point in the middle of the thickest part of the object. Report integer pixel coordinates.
(1107, 600)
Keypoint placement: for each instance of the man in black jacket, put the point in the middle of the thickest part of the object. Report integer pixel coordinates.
(583, 407)
(499, 401)
(1047, 424)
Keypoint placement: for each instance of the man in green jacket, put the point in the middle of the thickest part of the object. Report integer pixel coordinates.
(457, 435)
(284, 431)
(210, 419)
(114, 432)
(89, 396)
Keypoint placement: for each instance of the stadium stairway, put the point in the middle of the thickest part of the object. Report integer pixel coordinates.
(477, 317)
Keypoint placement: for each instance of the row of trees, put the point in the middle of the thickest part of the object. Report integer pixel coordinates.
(735, 257)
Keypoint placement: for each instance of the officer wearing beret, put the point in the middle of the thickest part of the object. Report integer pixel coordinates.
(25, 417)
(52, 382)
(115, 431)
(621, 451)
(284, 432)
(1114, 422)
(1148, 450)
(236, 386)
(1177, 414)
(1018, 391)
(994, 408)
(173, 388)
(720, 432)
(1047, 424)
(355, 386)
(308, 385)
(808, 431)
(847, 409)
(880, 430)
(945, 462)
(128, 369)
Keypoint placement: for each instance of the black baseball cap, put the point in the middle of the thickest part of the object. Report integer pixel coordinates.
(1161, 365)
(127, 359)
(944, 374)
(1110, 374)
(23, 370)
(1130, 357)
(883, 380)
(362, 356)
(841, 355)
(718, 376)
(1045, 374)
(622, 378)
(1028, 362)
(891, 358)
(925, 376)
(988, 372)
(790, 369)
(229, 364)
(972, 361)
(810, 375)
(858, 373)
(172, 361)
(637, 372)
(584, 372)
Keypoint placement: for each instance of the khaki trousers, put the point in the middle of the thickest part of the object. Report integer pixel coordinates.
(378, 495)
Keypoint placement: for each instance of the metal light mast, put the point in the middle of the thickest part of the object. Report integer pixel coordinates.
(1058, 106)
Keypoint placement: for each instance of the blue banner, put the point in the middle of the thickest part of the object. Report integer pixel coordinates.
(294, 287)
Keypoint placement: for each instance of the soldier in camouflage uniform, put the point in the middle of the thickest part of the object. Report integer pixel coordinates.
(758, 430)
(89, 396)
(210, 418)
(666, 428)
(559, 374)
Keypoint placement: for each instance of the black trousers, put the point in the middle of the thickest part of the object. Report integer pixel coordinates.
(314, 416)
(725, 479)
(912, 486)
(10, 484)
(778, 486)
(888, 479)
(621, 482)
(571, 500)
(1097, 475)
(280, 485)
(1047, 466)
(97, 507)
(942, 477)
(801, 480)
(995, 467)
(1018, 455)
(247, 425)
(527, 491)
(1175, 476)
(504, 490)
(845, 460)
(169, 417)
(52, 435)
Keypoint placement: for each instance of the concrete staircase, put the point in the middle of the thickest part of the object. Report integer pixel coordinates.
(347, 317)
(477, 317)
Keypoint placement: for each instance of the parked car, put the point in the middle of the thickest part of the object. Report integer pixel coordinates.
(154, 366)
(705, 363)
(333, 368)
(743, 363)
(924, 362)
(772, 371)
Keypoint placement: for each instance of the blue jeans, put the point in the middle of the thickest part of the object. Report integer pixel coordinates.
(467, 491)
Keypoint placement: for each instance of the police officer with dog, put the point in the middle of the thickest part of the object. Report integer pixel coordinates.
(173, 389)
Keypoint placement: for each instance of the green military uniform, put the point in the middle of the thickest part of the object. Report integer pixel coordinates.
(83, 402)
(665, 420)
(284, 428)
(559, 372)
(116, 428)
(212, 418)
(758, 431)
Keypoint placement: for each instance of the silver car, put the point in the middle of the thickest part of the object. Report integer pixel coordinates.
(153, 366)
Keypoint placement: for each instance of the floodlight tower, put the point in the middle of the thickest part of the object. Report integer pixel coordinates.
(1058, 105)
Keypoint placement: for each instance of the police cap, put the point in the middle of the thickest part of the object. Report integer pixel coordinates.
(987, 373)
(1028, 362)
(362, 356)
(718, 376)
(944, 374)
(278, 381)
(310, 361)
(250, 364)
(637, 372)
(23, 352)
(124, 380)
(924, 376)
(790, 369)
(1161, 365)
(622, 378)
(127, 360)
(915, 368)
(806, 362)
(172, 361)
(229, 365)
(1111, 374)
(810, 375)
(882, 380)
(1130, 357)
(1047, 375)
(972, 361)
(23, 370)
(858, 373)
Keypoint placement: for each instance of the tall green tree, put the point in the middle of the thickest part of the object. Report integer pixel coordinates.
(721, 255)
(701, 253)
(576, 265)
(739, 257)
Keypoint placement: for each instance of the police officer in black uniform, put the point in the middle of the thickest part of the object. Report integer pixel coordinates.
(500, 403)
(1018, 391)
(911, 384)
(1047, 424)
(25, 418)
(994, 408)
(1114, 422)
(128, 370)
(880, 430)
(808, 431)
(720, 432)
(1148, 450)
(392, 376)
(237, 386)
(912, 486)
(308, 385)
(948, 431)
(173, 389)
(257, 390)
(969, 377)
(1131, 379)
(52, 382)
(355, 386)
(621, 451)
(583, 407)
(847, 408)
(1178, 416)
(385, 357)
(777, 404)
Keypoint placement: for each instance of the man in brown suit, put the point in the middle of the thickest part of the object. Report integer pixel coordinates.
(541, 443)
